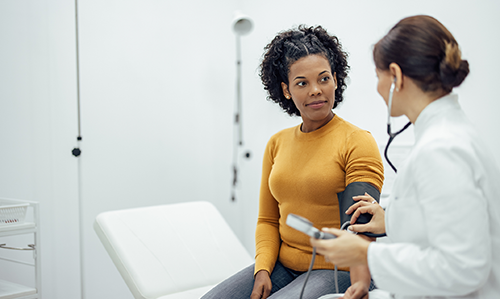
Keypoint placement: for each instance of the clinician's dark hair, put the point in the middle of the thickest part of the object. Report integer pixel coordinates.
(291, 45)
(425, 51)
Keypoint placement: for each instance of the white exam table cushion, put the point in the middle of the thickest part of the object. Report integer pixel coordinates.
(168, 249)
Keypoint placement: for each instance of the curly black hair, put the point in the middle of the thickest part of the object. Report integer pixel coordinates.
(291, 45)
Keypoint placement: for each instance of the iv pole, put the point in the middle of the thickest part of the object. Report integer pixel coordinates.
(77, 152)
(242, 25)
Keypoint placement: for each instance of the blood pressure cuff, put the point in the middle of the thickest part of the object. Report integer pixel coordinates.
(345, 200)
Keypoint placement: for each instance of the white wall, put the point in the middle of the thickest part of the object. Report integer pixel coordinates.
(158, 94)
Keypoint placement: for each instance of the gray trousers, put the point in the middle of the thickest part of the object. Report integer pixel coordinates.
(287, 284)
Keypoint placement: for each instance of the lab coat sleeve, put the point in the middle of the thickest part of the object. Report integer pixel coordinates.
(456, 258)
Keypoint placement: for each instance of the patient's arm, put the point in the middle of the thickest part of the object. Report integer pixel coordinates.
(360, 283)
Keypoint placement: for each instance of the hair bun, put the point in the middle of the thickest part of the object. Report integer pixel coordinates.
(452, 68)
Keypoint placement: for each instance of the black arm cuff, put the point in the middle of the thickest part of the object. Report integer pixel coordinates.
(345, 201)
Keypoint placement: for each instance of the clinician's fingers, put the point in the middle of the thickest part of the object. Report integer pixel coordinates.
(361, 209)
(366, 197)
(356, 206)
(377, 222)
(361, 228)
(334, 231)
(321, 243)
(346, 250)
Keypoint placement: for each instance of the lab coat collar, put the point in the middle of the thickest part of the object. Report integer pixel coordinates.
(435, 110)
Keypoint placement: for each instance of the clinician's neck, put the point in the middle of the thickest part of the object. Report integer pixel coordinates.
(417, 100)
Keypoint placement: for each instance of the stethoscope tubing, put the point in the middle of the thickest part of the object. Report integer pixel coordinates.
(389, 131)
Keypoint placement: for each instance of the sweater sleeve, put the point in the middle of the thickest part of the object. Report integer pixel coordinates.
(267, 237)
(362, 159)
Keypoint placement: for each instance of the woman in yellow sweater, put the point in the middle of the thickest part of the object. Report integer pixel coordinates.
(304, 168)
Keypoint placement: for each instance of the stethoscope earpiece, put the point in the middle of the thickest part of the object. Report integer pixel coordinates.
(389, 131)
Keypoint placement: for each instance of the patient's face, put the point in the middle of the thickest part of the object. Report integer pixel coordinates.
(312, 88)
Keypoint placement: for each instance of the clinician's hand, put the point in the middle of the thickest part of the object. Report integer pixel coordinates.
(357, 290)
(262, 285)
(365, 205)
(346, 250)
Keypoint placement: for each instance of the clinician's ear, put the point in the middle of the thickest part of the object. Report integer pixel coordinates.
(397, 74)
(286, 93)
(335, 79)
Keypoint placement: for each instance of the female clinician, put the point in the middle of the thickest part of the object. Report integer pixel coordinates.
(443, 214)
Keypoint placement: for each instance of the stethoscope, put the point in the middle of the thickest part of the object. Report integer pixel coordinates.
(392, 135)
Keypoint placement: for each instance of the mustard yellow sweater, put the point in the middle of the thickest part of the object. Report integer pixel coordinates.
(302, 174)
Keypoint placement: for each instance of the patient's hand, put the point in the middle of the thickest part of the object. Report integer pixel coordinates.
(357, 290)
(366, 204)
(262, 285)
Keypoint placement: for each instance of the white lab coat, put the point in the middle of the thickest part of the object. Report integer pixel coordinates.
(443, 214)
